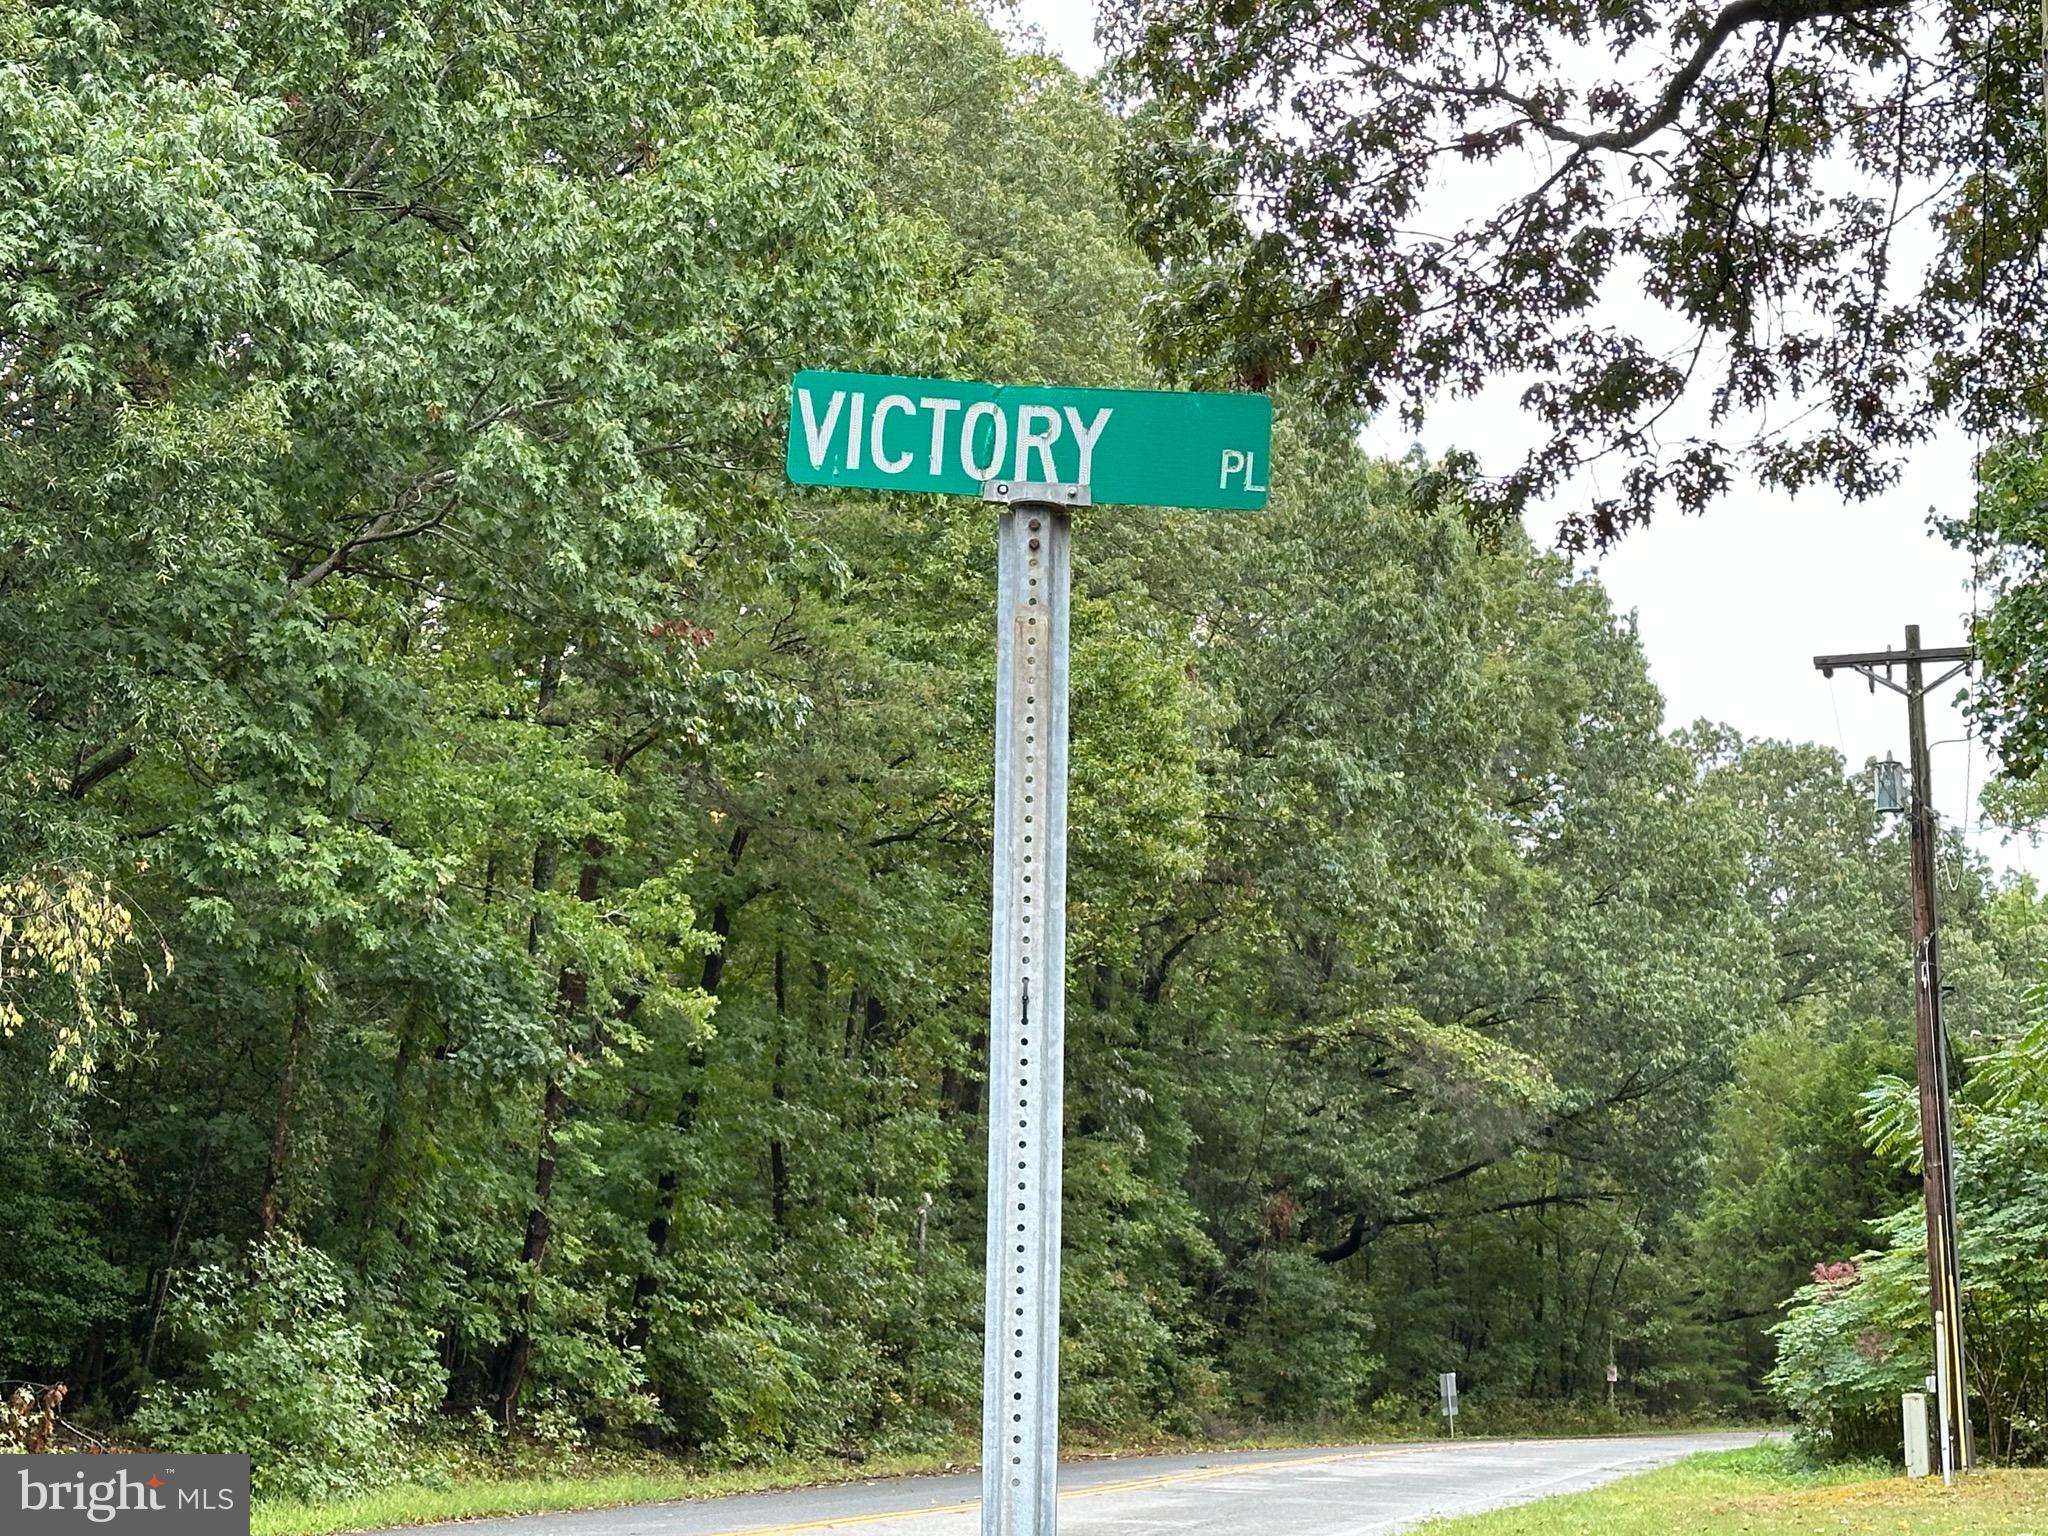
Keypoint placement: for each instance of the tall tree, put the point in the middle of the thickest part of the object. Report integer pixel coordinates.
(1671, 220)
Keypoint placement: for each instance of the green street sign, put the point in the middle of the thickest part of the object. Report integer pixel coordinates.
(878, 433)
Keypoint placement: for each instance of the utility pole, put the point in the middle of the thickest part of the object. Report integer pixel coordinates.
(1937, 1146)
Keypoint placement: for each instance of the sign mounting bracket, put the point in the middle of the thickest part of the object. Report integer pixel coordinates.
(1044, 493)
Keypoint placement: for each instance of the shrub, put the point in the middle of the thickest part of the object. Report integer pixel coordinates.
(1858, 1336)
(280, 1372)
(1851, 1343)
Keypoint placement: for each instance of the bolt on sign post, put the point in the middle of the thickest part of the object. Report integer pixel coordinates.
(1038, 453)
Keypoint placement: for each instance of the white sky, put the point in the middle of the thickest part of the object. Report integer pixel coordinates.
(1733, 606)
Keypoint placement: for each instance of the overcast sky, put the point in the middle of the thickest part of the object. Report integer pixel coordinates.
(1733, 606)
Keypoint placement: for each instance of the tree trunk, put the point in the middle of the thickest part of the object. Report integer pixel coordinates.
(778, 1157)
(268, 1204)
(517, 1350)
(508, 1374)
(647, 1285)
(384, 1156)
(573, 994)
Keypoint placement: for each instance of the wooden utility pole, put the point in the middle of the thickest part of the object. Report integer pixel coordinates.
(1937, 1146)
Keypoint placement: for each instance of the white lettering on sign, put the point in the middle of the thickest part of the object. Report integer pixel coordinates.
(983, 410)
(818, 436)
(1036, 439)
(1086, 437)
(1237, 462)
(852, 424)
(941, 408)
(888, 463)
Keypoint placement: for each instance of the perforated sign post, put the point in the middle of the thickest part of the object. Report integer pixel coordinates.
(1039, 453)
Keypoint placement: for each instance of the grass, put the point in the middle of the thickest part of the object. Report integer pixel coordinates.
(647, 1480)
(1770, 1490)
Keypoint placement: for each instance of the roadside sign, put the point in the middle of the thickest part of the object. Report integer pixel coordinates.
(1447, 1386)
(1041, 453)
(1153, 447)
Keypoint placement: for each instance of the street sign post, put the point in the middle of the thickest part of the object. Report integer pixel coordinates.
(1447, 1388)
(880, 433)
(1039, 453)
(1020, 1372)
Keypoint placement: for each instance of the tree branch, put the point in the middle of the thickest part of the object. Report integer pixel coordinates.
(379, 529)
(112, 763)
(1732, 19)
(1363, 1232)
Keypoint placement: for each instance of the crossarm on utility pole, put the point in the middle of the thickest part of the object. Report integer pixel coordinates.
(1895, 658)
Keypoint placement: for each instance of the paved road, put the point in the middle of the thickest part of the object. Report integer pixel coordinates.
(1360, 1490)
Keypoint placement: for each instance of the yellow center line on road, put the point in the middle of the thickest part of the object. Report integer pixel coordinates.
(1129, 1485)
(840, 1520)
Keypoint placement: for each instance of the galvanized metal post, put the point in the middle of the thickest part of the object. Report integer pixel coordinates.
(1027, 1012)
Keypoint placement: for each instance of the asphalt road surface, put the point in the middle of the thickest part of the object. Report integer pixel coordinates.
(1362, 1490)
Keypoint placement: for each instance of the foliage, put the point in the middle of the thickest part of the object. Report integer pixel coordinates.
(573, 840)
(1414, 200)
(2006, 536)
(58, 931)
(280, 1372)
(60, 1280)
(1859, 1335)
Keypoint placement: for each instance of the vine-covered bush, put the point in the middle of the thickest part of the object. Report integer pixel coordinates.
(1859, 1335)
(1856, 1338)
(279, 1370)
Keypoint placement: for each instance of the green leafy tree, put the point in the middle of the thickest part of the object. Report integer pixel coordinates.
(1435, 196)
(1860, 1334)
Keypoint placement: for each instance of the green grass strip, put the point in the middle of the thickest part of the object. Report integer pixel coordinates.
(1771, 1490)
(419, 1504)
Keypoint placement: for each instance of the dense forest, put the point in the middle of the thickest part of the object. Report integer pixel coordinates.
(494, 883)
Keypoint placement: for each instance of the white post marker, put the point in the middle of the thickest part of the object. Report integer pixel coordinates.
(1948, 1468)
(1913, 1413)
(1039, 452)
(1447, 1388)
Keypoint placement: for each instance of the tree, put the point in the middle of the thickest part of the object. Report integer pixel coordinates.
(1626, 206)
(1860, 1333)
(574, 842)
(2006, 533)
(375, 390)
